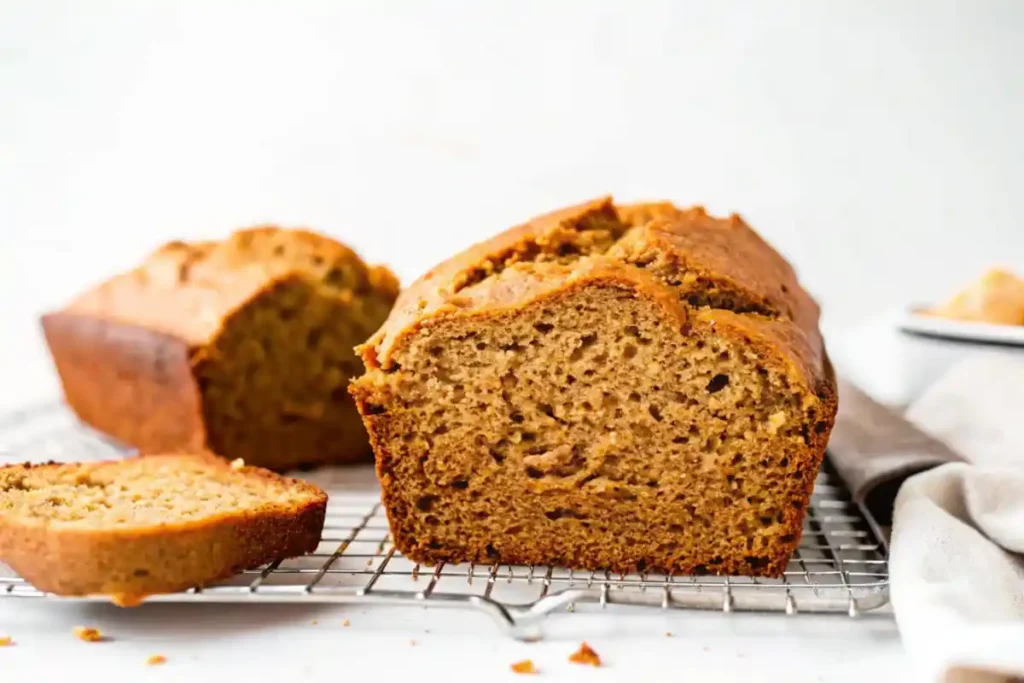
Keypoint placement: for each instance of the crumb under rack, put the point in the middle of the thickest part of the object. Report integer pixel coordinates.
(840, 566)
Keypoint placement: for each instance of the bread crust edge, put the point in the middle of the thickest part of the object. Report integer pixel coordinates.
(131, 564)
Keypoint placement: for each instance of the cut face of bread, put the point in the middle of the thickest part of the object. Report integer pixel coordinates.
(274, 382)
(150, 525)
(600, 414)
(242, 347)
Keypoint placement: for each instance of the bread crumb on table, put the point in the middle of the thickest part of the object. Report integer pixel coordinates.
(314, 622)
(156, 659)
(346, 623)
(6, 640)
(585, 655)
(127, 599)
(668, 634)
(524, 667)
(88, 634)
(413, 642)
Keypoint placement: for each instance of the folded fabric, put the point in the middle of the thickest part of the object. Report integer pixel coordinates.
(957, 589)
(957, 576)
(875, 450)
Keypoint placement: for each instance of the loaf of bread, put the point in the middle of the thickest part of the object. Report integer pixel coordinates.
(243, 348)
(636, 389)
(157, 524)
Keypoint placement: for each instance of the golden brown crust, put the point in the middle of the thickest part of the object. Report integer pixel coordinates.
(187, 290)
(137, 353)
(513, 288)
(723, 263)
(128, 381)
(723, 250)
(129, 563)
(695, 247)
(437, 292)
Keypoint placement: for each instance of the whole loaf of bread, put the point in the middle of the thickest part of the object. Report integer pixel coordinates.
(637, 388)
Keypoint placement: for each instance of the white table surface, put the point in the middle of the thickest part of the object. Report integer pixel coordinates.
(282, 643)
(874, 143)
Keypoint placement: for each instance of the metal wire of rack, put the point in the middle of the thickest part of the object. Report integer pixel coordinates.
(840, 566)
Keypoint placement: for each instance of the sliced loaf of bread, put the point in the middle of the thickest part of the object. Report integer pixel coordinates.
(242, 347)
(634, 388)
(157, 524)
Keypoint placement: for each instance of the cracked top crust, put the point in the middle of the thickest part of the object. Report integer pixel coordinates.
(187, 289)
(717, 272)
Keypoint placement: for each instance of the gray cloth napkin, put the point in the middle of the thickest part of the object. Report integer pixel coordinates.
(957, 576)
(875, 450)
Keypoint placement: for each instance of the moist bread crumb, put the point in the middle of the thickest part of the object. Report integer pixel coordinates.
(242, 347)
(635, 389)
(155, 524)
(585, 655)
(88, 634)
(524, 667)
(155, 660)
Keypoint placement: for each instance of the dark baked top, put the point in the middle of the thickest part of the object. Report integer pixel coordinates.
(188, 289)
(711, 271)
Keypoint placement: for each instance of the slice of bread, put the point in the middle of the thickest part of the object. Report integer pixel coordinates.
(156, 524)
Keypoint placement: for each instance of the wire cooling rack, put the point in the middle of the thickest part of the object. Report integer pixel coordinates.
(840, 566)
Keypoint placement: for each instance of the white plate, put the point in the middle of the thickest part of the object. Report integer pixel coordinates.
(986, 333)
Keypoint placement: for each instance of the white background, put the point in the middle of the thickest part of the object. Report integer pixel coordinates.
(877, 144)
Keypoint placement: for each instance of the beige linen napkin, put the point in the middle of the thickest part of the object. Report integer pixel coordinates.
(956, 569)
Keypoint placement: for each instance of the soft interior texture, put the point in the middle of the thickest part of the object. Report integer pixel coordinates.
(587, 430)
(274, 382)
(140, 492)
